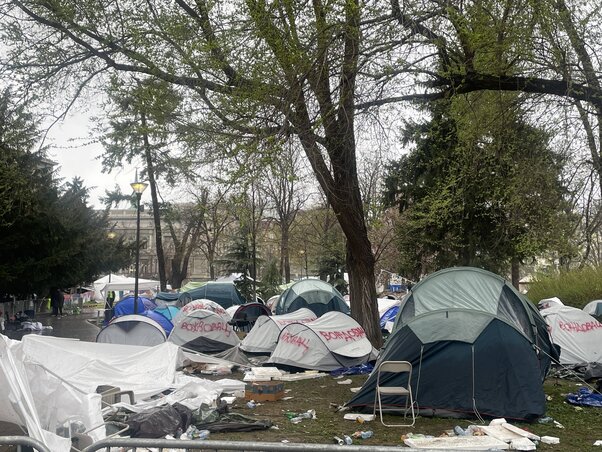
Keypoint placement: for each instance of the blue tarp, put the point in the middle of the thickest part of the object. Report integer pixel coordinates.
(389, 316)
(585, 397)
(125, 306)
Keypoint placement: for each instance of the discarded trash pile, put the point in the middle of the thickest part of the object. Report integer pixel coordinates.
(498, 435)
(66, 392)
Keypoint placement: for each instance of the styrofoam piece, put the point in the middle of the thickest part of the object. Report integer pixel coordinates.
(550, 440)
(229, 400)
(354, 416)
(262, 374)
(500, 432)
(522, 444)
(520, 431)
(498, 421)
(457, 443)
(301, 376)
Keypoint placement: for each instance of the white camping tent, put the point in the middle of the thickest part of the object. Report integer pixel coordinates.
(132, 330)
(203, 331)
(578, 334)
(121, 283)
(332, 341)
(549, 303)
(208, 305)
(593, 308)
(263, 336)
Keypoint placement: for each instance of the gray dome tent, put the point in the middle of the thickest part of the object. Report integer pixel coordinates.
(314, 294)
(478, 347)
(132, 330)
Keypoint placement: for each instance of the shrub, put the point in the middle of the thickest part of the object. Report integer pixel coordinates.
(574, 287)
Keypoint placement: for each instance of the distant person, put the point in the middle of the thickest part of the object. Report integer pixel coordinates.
(110, 298)
(57, 300)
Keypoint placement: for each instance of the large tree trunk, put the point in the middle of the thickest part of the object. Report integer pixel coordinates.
(285, 264)
(515, 271)
(156, 214)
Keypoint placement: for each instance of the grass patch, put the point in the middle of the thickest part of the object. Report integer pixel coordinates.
(582, 426)
(575, 287)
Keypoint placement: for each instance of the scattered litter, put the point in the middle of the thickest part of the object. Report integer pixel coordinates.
(550, 440)
(274, 427)
(598, 442)
(455, 442)
(520, 431)
(229, 400)
(348, 440)
(302, 376)
(585, 397)
(357, 416)
(194, 433)
(251, 404)
(338, 377)
(549, 398)
(338, 441)
(558, 424)
(354, 390)
(285, 441)
(287, 398)
(263, 374)
(309, 414)
(345, 382)
(363, 435)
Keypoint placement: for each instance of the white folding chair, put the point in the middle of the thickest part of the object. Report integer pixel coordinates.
(397, 367)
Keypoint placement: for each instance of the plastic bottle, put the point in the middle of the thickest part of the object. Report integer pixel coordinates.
(203, 434)
(459, 431)
(348, 440)
(251, 404)
(367, 434)
(310, 414)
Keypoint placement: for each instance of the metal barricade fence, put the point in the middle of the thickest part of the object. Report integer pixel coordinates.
(209, 445)
(23, 441)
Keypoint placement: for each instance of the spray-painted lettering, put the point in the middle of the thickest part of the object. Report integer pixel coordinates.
(200, 326)
(352, 334)
(575, 327)
(296, 340)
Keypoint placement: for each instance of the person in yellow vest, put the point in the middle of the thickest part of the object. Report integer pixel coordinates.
(110, 298)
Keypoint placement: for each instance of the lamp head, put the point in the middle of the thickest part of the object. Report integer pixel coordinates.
(138, 187)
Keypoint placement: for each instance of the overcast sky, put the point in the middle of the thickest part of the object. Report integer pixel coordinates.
(69, 147)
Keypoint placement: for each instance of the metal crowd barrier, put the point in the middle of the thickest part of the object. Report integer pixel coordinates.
(210, 445)
(23, 441)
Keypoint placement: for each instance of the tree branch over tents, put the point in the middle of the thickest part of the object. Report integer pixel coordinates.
(305, 70)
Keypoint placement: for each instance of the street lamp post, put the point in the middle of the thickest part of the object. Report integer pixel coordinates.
(138, 188)
(304, 254)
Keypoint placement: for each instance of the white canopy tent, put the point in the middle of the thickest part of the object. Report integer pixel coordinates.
(121, 283)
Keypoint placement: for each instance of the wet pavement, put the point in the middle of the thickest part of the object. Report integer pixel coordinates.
(78, 326)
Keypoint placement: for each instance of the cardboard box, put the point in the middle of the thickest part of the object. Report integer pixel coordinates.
(264, 391)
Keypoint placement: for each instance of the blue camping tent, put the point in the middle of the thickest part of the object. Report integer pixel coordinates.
(160, 319)
(168, 311)
(125, 306)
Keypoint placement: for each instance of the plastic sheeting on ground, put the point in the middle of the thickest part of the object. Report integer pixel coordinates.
(585, 397)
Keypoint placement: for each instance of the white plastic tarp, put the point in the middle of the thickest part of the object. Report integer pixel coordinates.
(264, 335)
(578, 334)
(86, 365)
(332, 341)
(40, 402)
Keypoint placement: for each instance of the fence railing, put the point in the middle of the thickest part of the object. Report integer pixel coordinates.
(210, 445)
(23, 441)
